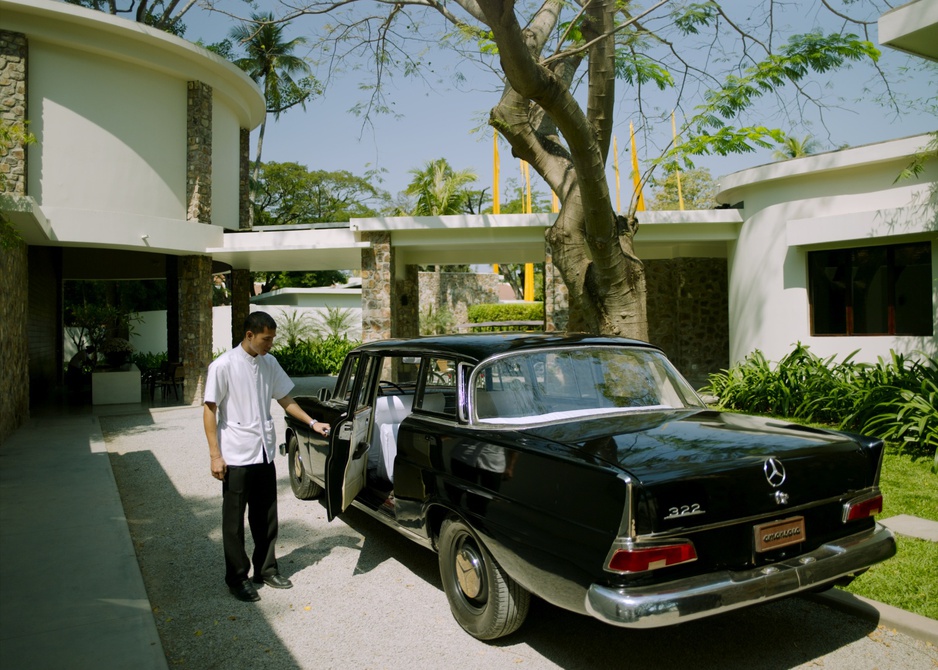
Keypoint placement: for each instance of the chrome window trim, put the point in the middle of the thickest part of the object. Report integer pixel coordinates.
(475, 421)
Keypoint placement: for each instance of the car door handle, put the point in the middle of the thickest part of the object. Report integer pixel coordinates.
(360, 450)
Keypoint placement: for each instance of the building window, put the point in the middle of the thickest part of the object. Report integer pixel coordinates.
(885, 290)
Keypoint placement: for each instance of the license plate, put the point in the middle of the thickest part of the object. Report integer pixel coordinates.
(777, 534)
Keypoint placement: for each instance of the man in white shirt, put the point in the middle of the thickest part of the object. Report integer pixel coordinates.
(242, 442)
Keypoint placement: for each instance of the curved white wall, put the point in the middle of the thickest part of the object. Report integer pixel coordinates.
(843, 199)
(107, 138)
(107, 102)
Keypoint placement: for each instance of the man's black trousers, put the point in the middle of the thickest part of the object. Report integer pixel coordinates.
(253, 487)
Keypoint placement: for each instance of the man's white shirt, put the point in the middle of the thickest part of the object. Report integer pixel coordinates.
(242, 386)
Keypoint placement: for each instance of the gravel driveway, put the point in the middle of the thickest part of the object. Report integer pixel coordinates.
(365, 597)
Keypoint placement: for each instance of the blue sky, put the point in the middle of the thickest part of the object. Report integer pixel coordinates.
(445, 118)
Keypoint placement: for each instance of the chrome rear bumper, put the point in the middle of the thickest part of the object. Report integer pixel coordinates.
(704, 595)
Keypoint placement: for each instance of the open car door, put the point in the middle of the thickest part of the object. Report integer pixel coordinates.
(347, 461)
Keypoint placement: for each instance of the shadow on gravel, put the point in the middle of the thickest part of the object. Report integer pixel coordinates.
(781, 634)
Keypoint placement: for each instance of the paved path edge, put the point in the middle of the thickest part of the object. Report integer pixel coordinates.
(914, 625)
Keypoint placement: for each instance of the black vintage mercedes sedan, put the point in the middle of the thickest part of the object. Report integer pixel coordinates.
(586, 471)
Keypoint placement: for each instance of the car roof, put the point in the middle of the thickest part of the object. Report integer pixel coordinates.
(479, 346)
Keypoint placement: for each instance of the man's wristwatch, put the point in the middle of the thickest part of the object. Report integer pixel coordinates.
(312, 423)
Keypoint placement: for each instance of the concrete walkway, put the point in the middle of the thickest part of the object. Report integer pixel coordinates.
(71, 591)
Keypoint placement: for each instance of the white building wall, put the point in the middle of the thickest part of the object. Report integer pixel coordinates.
(226, 164)
(832, 201)
(106, 138)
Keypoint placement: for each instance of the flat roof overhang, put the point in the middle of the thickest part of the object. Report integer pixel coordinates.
(912, 27)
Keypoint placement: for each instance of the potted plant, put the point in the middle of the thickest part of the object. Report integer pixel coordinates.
(116, 351)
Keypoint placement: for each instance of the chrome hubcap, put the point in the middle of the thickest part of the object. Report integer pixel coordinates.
(469, 572)
(297, 464)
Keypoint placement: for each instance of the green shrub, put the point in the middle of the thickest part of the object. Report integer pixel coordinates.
(148, 362)
(315, 357)
(512, 311)
(894, 400)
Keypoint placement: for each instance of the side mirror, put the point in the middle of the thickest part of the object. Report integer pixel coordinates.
(324, 394)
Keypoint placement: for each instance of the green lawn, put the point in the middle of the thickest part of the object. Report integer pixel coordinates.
(909, 580)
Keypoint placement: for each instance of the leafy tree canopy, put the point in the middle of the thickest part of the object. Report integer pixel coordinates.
(290, 193)
(557, 66)
(162, 14)
(698, 190)
(271, 281)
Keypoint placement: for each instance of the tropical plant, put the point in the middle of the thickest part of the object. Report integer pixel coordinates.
(439, 321)
(294, 326)
(896, 400)
(335, 323)
(439, 190)
(271, 62)
(792, 147)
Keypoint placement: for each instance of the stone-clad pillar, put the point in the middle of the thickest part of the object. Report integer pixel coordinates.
(14, 256)
(195, 318)
(195, 272)
(556, 298)
(377, 286)
(13, 52)
(405, 312)
(199, 153)
(245, 211)
(241, 289)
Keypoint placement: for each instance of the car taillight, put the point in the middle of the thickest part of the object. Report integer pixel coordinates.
(641, 558)
(861, 508)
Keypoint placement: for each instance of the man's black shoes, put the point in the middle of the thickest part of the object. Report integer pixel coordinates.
(245, 592)
(277, 581)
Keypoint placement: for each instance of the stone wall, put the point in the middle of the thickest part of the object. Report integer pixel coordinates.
(199, 153)
(455, 291)
(195, 316)
(688, 313)
(14, 264)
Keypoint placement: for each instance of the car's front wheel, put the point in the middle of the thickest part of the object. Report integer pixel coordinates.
(304, 488)
(484, 600)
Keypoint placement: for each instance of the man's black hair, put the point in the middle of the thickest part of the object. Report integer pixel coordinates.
(256, 322)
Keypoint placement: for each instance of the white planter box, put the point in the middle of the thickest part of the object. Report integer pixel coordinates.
(116, 387)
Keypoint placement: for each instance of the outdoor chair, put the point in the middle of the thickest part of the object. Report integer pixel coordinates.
(170, 375)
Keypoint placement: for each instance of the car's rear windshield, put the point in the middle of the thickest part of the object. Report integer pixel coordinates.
(561, 384)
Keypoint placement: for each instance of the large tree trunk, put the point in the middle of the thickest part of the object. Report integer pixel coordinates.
(591, 245)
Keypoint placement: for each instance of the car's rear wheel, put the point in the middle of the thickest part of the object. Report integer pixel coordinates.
(484, 600)
(304, 488)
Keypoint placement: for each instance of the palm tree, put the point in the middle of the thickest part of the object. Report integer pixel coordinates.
(439, 189)
(792, 147)
(272, 64)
